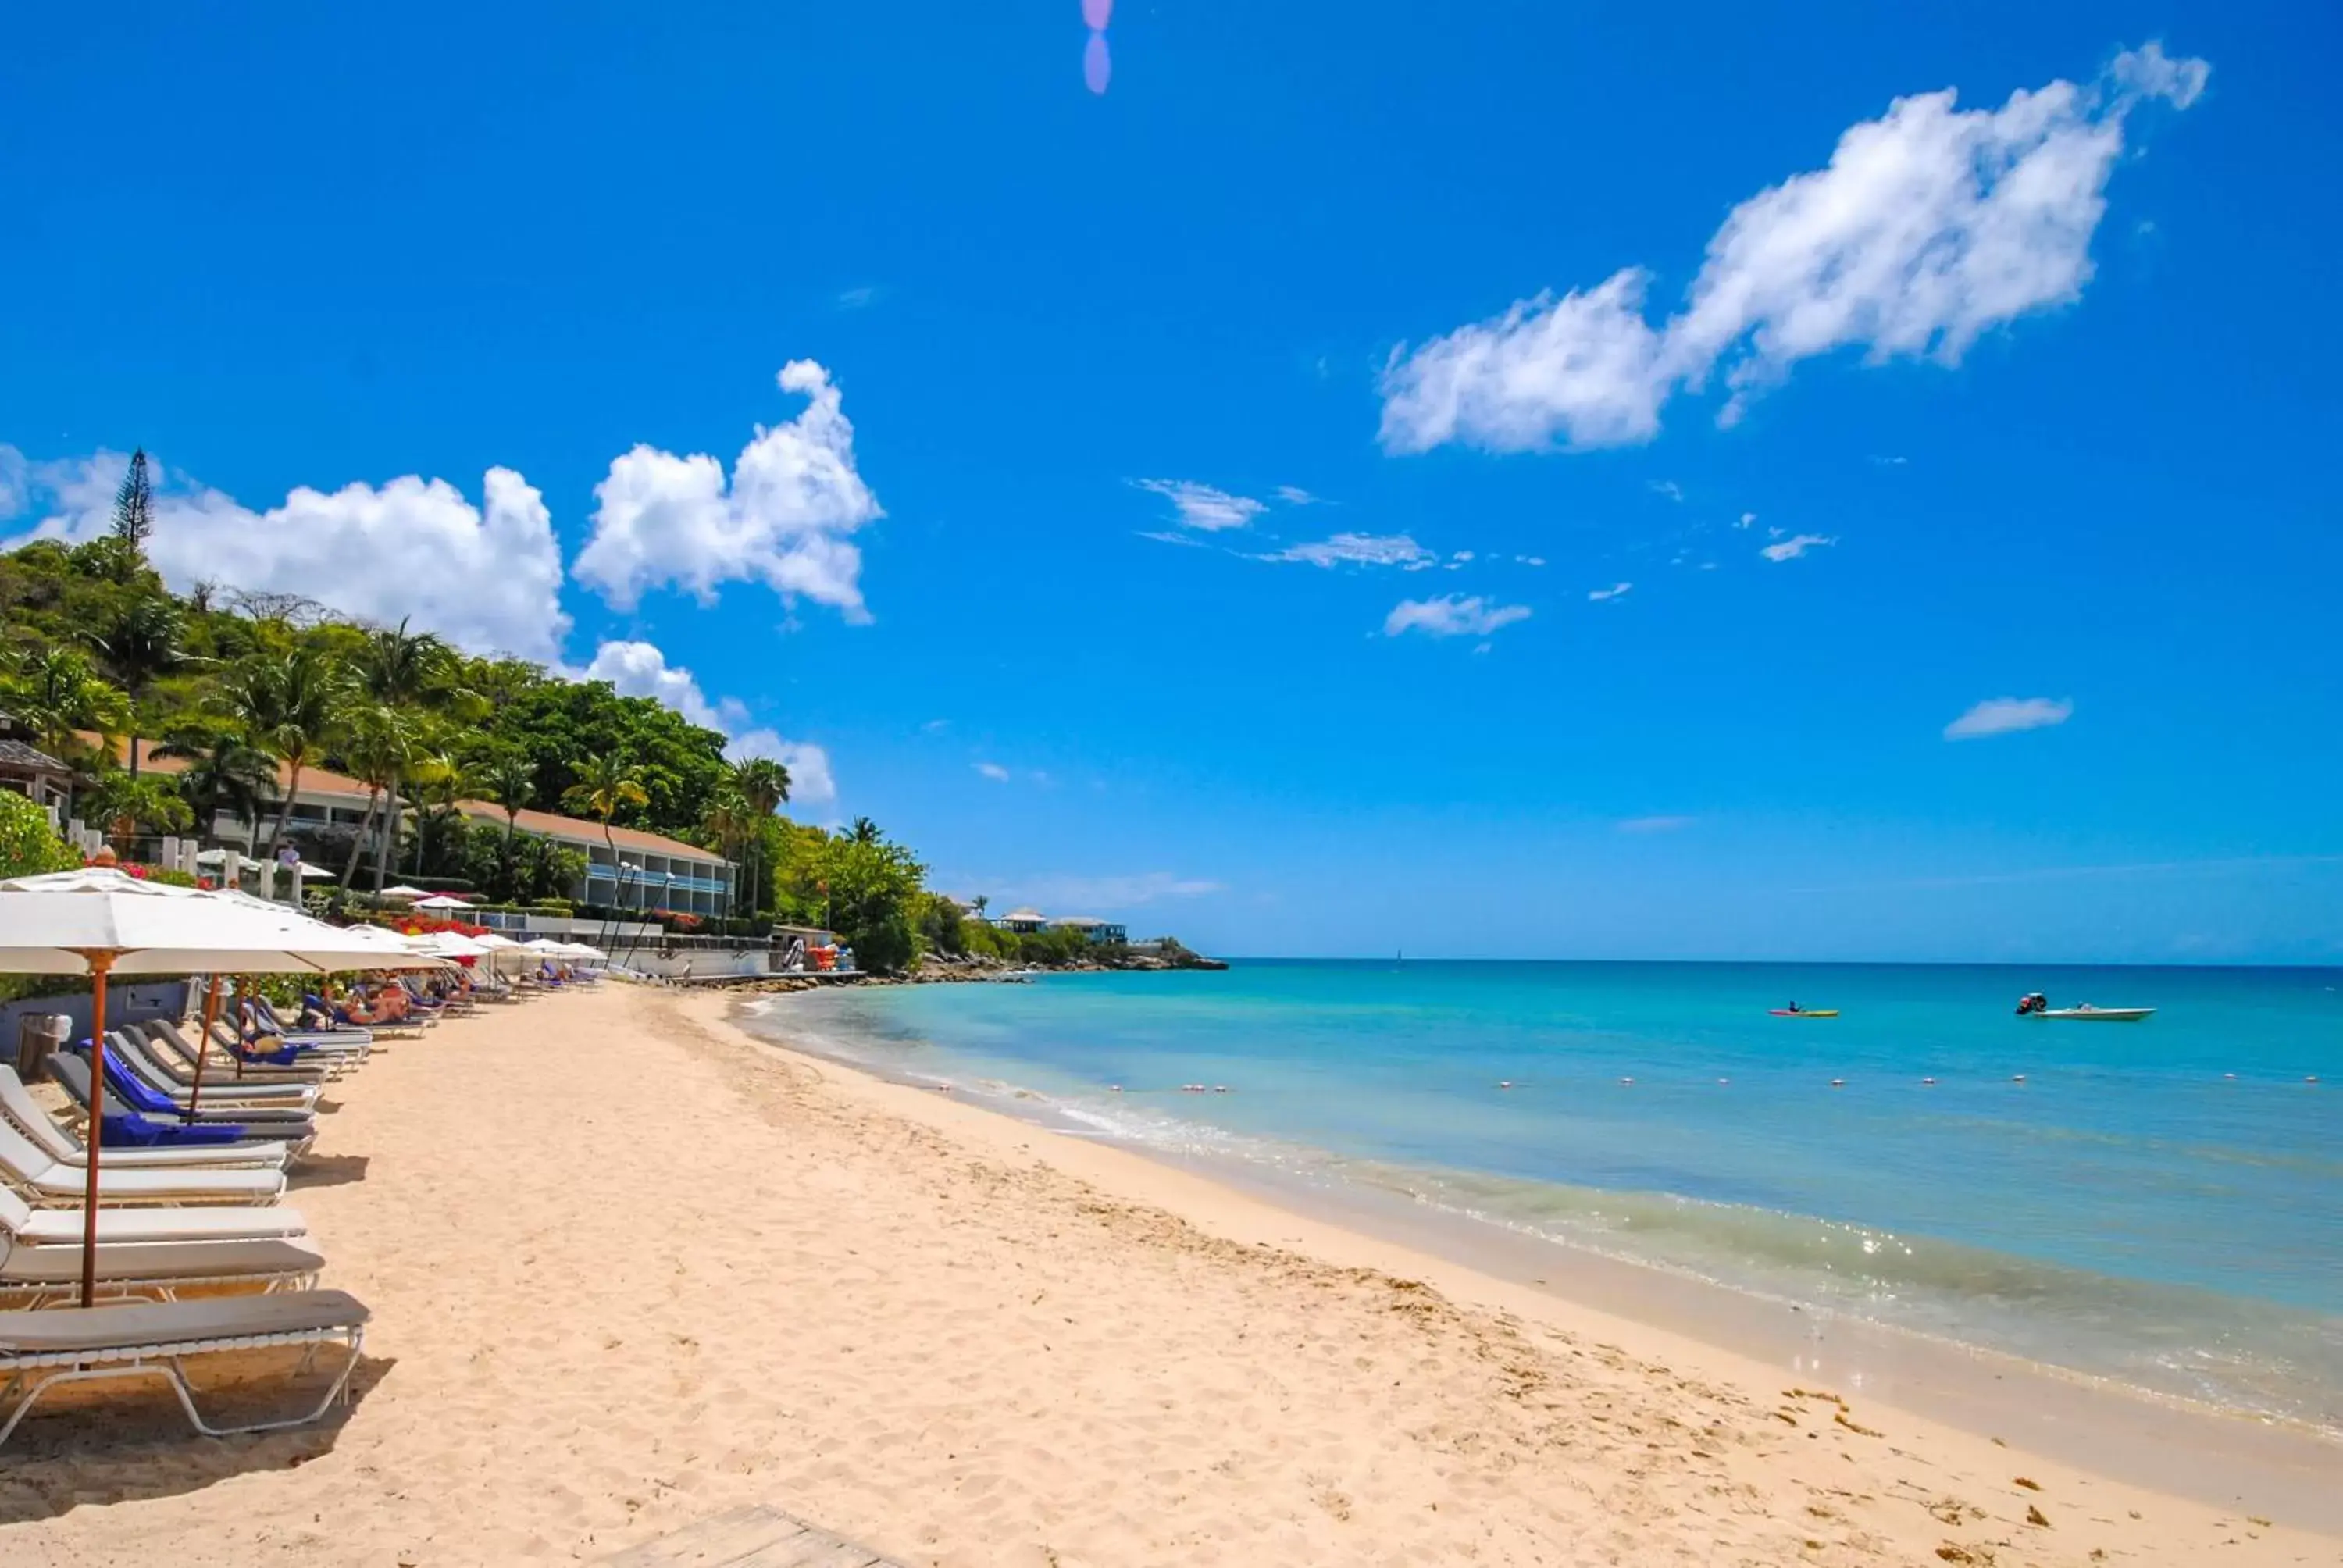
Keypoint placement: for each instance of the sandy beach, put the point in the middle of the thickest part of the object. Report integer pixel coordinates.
(629, 1267)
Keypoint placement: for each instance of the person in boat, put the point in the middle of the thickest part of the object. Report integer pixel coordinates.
(2033, 1003)
(1793, 1006)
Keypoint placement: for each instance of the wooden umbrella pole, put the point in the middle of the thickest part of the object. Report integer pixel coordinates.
(244, 993)
(204, 1042)
(100, 963)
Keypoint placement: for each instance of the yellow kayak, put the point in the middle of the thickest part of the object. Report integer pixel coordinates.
(1806, 1012)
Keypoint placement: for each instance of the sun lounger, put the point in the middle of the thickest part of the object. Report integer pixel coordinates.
(128, 1094)
(45, 1182)
(39, 1351)
(268, 1021)
(175, 1050)
(18, 1106)
(35, 1228)
(154, 1271)
(136, 1059)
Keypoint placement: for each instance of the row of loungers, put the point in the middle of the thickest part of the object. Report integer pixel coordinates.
(190, 1200)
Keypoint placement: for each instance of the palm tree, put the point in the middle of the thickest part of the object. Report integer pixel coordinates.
(57, 695)
(381, 744)
(511, 782)
(441, 781)
(863, 831)
(760, 785)
(226, 773)
(287, 706)
(141, 645)
(605, 787)
(400, 668)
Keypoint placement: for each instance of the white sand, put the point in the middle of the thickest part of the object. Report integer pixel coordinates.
(666, 1269)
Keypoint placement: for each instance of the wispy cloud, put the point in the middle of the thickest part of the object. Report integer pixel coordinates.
(1529, 560)
(1163, 537)
(1891, 462)
(2008, 715)
(1668, 488)
(935, 727)
(1453, 615)
(1748, 520)
(1614, 591)
(1359, 551)
(1295, 496)
(856, 298)
(1791, 549)
(1654, 824)
(1929, 227)
(993, 771)
(1070, 894)
(1204, 506)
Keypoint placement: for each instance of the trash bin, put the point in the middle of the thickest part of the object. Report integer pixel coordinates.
(39, 1035)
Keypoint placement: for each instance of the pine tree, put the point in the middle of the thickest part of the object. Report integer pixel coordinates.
(134, 505)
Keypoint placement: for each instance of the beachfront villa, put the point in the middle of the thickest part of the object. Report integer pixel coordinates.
(1024, 922)
(1100, 933)
(648, 870)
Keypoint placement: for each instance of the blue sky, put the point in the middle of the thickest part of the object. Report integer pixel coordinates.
(2043, 385)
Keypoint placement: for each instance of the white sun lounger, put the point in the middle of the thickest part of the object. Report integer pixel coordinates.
(46, 1183)
(39, 1351)
(18, 1107)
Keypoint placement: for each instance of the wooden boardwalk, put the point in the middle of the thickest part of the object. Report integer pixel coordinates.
(754, 1537)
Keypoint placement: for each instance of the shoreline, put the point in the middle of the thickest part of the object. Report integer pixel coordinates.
(2128, 1435)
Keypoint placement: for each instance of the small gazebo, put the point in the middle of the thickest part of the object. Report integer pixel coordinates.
(34, 774)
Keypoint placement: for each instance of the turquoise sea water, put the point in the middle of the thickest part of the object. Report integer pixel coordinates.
(2159, 1202)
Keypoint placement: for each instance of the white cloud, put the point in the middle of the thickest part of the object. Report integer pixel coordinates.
(1747, 519)
(1599, 595)
(995, 772)
(1668, 488)
(1654, 824)
(1453, 615)
(1891, 462)
(1929, 227)
(783, 518)
(2005, 715)
(1083, 895)
(856, 298)
(1162, 537)
(1461, 557)
(1791, 549)
(486, 578)
(1530, 561)
(1359, 549)
(1295, 496)
(641, 669)
(1196, 505)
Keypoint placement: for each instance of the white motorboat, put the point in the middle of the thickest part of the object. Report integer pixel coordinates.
(2095, 1014)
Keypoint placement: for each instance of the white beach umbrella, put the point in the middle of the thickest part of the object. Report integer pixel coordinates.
(403, 891)
(446, 945)
(443, 901)
(103, 924)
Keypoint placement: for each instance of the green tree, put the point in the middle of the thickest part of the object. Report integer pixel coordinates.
(606, 787)
(226, 772)
(28, 844)
(760, 786)
(400, 669)
(141, 644)
(57, 695)
(287, 705)
(382, 743)
(127, 805)
(874, 889)
(511, 781)
(133, 508)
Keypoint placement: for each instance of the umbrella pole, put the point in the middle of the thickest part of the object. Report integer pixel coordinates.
(204, 1042)
(243, 989)
(100, 963)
